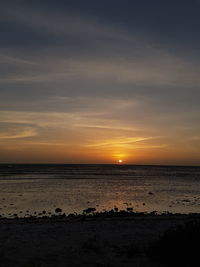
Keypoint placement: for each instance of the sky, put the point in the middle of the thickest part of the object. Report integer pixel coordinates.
(99, 81)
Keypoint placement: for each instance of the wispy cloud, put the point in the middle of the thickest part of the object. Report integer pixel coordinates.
(21, 132)
(140, 61)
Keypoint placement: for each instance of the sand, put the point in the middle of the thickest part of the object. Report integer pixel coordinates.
(97, 241)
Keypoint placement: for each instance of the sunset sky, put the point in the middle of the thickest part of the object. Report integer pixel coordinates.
(95, 81)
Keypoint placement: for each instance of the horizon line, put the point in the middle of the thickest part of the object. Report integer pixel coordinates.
(118, 164)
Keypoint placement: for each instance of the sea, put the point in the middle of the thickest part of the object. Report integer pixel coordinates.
(39, 190)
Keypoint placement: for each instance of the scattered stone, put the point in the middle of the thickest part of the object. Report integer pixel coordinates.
(89, 210)
(185, 200)
(58, 210)
(129, 209)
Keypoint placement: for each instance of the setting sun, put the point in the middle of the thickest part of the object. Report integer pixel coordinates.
(120, 161)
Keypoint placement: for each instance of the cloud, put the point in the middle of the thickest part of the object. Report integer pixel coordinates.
(16, 131)
(120, 56)
(153, 71)
(66, 23)
(121, 142)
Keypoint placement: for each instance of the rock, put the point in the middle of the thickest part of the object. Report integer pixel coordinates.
(129, 209)
(89, 210)
(58, 210)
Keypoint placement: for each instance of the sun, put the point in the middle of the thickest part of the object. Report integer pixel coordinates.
(120, 160)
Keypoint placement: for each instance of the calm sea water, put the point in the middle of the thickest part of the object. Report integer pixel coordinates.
(25, 189)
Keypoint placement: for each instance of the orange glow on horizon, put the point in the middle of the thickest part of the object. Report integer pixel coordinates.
(87, 145)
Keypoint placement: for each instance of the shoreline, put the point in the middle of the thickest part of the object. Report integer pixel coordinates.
(111, 214)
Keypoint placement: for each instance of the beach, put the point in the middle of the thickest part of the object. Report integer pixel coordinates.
(104, 240)
(95, 215)
(30, 189)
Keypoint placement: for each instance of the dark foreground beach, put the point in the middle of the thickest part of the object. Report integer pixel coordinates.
(103, 241)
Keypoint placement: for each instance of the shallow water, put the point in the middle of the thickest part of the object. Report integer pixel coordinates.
(25, 189)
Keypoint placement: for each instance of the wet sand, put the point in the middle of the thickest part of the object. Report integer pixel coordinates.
(83, 240)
